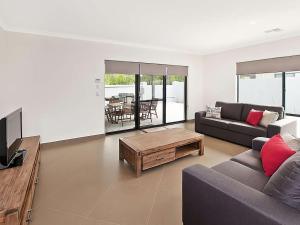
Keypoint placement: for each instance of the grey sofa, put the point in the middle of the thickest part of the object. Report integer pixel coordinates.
(231, 194)
(232, 126)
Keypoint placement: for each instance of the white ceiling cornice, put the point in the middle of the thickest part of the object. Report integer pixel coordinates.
(104, 41)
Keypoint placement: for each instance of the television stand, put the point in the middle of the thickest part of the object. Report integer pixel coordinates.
(17, 160)
(18, 185)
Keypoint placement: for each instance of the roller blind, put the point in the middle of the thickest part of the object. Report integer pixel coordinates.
(273, 65)
(153, 69)
(177, 70)
(123, 67)
(112, 67)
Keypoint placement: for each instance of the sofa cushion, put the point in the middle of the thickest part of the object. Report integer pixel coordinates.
(248, 129)
(251, 159)
(268, 118)
(220, 123)
(231, 111)
(292, 141)
(254, 117)
(242, 174)
(213, 112)
(284, 184)
(248, 107)
(273, 153)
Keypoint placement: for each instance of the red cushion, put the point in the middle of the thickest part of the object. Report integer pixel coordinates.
(254, 117)
(274, 153)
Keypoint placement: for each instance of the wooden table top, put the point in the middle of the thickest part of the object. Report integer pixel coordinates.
(116, 104)
(14, 180)
(161, 139)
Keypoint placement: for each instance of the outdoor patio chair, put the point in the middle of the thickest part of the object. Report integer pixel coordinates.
(153, 108)
(145, 110)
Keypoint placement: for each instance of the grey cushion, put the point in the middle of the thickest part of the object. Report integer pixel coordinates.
(245, 128)
(285, 182)
(251, 159)
(248, 107)
(243, 174)
(231, 111)
(293, 143)
(220, 123)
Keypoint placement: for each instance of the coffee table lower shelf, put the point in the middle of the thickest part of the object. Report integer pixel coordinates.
(148, 159)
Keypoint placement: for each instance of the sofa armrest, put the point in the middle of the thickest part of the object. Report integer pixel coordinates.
(258, 142)
(283, 126)
(200, 114)
(209, 197)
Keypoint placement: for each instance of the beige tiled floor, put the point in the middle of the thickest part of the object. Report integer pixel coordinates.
(86, 184)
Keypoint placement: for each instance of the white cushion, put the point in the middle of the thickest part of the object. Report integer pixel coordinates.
(268, 118)
(213, 112)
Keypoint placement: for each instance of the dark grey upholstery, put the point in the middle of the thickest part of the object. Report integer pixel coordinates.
(285, 182)
(242, 174)
(258, 142)
(212, 198)
(251, 159)
(221, 123)
(239, 138)
(246, 128)
(232, 126)
(231, 111)
(231, 193)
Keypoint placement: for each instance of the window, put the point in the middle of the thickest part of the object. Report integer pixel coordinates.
(278, 89)
(263, 89)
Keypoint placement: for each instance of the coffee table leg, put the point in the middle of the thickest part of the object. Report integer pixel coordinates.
(121, 152)
(201, 151)
(138, 166)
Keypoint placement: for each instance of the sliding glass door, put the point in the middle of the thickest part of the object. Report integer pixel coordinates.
(143, 95)
(175, 98)
(119, 102)
(151, 100)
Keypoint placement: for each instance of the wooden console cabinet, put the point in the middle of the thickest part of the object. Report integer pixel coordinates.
(17, 186)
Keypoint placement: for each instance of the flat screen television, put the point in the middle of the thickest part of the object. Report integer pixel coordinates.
(10, 136)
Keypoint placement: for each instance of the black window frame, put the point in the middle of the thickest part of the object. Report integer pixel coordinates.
(283, 92)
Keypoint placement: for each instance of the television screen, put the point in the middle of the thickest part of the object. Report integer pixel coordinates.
(10, 135)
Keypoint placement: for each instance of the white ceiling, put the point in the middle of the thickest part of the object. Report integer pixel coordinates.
(197, 26)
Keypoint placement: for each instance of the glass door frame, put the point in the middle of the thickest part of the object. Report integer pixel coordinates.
(164, 109)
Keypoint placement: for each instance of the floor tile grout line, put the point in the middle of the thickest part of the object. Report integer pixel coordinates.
(88, 214)
(155, 196)
(81, 216)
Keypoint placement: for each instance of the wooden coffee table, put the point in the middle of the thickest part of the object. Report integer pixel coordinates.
(148, 150)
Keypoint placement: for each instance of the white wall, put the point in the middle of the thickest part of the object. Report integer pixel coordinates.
(2, 51)
(220, 69)
(53, 79)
